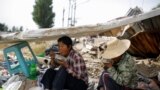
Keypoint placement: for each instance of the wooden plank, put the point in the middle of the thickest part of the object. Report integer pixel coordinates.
(145, 44)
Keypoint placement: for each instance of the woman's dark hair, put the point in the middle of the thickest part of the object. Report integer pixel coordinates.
(53, 48)
(66, 40)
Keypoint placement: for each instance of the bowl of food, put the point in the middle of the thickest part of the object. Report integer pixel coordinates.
(60, 58)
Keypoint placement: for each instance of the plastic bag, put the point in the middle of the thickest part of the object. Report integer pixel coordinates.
(10, 80)
(36, 88)
(14, 85)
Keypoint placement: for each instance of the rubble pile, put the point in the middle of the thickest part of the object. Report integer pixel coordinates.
(89, 48)
(148, 68)
(94, 66)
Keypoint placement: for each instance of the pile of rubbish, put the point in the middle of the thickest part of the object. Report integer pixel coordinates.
(90, 49)
(149, 67)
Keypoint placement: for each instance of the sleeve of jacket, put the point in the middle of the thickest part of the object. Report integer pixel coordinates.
(78, 67)
(123, 77)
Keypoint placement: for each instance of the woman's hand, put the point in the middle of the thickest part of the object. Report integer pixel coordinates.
(142, 85)
(63, 63)
(101, 88)
(153, 85)
(109, 64)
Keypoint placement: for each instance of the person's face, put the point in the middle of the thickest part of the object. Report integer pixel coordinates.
(52, 54)
(63, 49)
(112, 61)
(117, 59)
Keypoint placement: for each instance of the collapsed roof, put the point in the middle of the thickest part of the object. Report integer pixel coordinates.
(144, 44)
(54, 33)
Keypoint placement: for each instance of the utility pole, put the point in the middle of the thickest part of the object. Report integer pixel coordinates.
(73, 4)
(74, 19)
(63, 18)
(72, 13)
(71, 21)
(69, 9)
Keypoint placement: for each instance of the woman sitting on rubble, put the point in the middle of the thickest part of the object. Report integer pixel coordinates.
(72, 73)
(119, 69)
(74, 65)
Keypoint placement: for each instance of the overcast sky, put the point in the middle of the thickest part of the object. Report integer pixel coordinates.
(18, 12)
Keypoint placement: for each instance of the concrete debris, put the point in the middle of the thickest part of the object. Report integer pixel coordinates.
(147, 68)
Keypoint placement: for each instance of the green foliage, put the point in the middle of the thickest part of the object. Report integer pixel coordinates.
(14, 29)
(21, 28)
(42, 14)
(3, 27)
(17, 29)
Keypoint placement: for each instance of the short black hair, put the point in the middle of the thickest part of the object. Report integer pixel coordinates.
(66, 40)
(53, 48)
